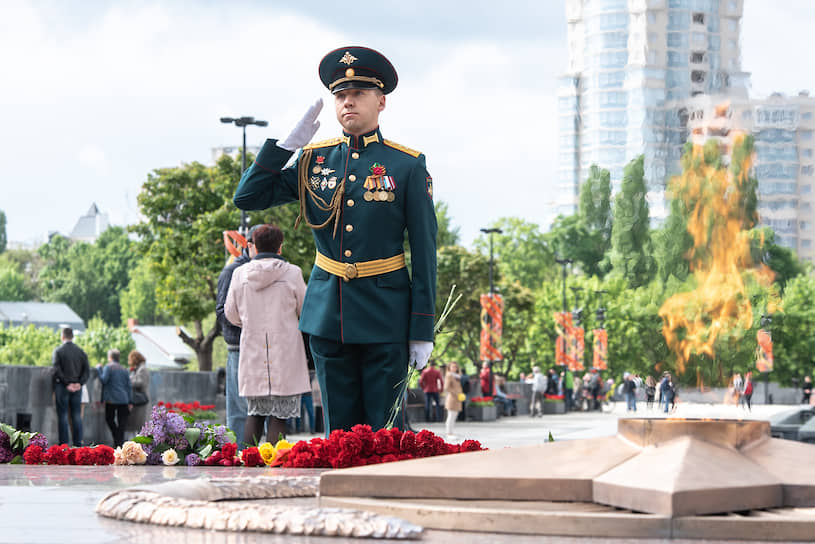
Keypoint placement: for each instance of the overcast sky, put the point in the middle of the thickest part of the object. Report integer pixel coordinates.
(94, 94)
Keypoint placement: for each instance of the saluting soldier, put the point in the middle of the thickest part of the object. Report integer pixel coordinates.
(367, 317)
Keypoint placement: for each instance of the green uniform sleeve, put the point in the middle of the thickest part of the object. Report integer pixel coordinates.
(266, 183)
(421, 226)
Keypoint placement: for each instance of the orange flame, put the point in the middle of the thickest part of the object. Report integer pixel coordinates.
(714, 196)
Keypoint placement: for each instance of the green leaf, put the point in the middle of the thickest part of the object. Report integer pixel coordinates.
(204, 452)
(143, 439)
(8, 429)
(192, 434)
(231, 436)
(18, 460)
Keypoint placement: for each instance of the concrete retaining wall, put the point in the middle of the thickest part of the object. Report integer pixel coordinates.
(26, 392)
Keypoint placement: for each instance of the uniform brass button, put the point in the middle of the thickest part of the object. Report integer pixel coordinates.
(347, 252)
(349, 228)
(352, 177)
(350, 202)
(354, 155)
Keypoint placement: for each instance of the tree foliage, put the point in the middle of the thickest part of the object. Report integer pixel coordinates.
(88, 277)
(13, 285)
(520, 251)
(630, 255)
(3, 236)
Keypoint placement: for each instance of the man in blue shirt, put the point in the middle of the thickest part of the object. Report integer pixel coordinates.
(117, 396)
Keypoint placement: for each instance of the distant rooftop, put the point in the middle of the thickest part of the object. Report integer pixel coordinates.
(40, 314)
(90, 226)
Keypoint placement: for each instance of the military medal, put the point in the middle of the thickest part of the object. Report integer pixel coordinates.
(320, 159)
(316, 170)
(391, 197)
(323, 184)
(327, 171)
(332, 182)
(368, 196)
(315, 182)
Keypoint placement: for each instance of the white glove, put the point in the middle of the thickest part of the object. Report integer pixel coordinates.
(419, 353)
(305, 130)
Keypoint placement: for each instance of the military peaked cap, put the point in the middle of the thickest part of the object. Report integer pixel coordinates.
(357, 68)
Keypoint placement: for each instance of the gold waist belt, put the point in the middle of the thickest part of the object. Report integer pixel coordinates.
(365, 269)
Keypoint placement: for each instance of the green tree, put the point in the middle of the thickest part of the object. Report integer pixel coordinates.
(88, 277)
(793, 341)
(27, 346)
(26, 262)
(594, 212)
(100, 337)
(139, 299)
(448, 235)
(13, 285)
(781, 260)
(630, 254)
(3, 236)
(186, 210)
(520, 251)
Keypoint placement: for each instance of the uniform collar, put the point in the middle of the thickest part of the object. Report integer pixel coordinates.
(364, 140)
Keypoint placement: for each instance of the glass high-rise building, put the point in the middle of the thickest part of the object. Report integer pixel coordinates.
(632, 66)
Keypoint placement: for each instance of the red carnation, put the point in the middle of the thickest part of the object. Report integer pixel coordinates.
(396, 434)
(84, 456)
(252, 458)
(33, 455)
(350, 444)
(389, 458)
(408, 443)
(104, 455)
(471, 445)
(383, 442)
(366, 436)
(57, 455)
(229, 450)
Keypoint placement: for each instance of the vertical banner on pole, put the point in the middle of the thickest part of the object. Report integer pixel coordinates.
(764, 351)
(600, 357)
(492, 312)
(569, 347)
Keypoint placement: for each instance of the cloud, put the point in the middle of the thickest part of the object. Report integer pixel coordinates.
(92, 156)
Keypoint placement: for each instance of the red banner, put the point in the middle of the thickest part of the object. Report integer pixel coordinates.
(492, 311)
(570, 344)
(764, 351)
(600, 357)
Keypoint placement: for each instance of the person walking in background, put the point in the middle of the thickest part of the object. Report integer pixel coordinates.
(431, 385)
(748, 390)
(630, 392)
(666, 390)
(140, 382)
(117, 394)
(236, 407)
(539, 384)
(265, 299)
(486, 379)
(71, 371)
(453, 398)
(806, 389)
(568, 389)
(650, 391)
(738, 388)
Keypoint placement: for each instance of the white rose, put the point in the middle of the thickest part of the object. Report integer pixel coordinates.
(169, 457)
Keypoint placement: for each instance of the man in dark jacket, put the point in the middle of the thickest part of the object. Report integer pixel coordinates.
(117, 394)
(71, 371)
(236, 407)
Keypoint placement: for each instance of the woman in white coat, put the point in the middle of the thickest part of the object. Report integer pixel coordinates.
(265, 299)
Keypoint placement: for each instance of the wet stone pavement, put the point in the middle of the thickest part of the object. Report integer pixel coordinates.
(47, 504)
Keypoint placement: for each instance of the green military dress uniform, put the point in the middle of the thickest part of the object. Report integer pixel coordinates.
(360, 194)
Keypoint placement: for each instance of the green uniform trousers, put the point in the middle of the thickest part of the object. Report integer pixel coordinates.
(359, 383)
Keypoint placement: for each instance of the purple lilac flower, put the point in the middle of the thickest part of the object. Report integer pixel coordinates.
(5, 455)
(40, 440)
(180, 444)
(175, 424)
(192, 460)
(5, 441)
(154, 458)
(220, 435)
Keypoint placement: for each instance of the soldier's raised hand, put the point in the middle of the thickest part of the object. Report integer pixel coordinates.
(305, 129)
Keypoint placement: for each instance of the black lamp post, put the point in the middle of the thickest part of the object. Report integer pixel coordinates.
(490, 232)
(601, 311)
(563, 263)
(243, 122)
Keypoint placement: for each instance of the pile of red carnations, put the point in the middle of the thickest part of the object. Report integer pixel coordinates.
(66, 455)
(362, 446)
(189, 408)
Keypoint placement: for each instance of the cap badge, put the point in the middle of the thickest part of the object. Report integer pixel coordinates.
(349, 72)
(348, 58)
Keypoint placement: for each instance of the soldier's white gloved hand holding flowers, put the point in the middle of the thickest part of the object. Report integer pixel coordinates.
(419, 353)
(305, 130)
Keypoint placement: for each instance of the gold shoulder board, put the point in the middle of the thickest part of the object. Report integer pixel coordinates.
(327, 143)
(400, 147)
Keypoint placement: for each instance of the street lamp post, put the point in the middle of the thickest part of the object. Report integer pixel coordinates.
(243, 122)
(563, 263)
(766, 320)
(491, 232)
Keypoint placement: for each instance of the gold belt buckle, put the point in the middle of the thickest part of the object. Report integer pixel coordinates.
(350, 271)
